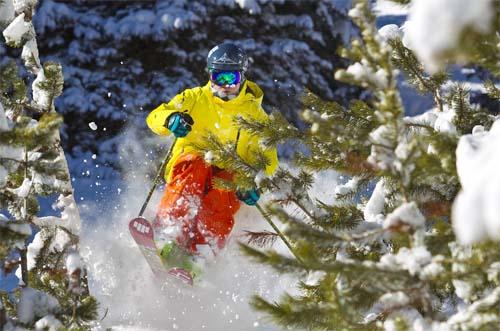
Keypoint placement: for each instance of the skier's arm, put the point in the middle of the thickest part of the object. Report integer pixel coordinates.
(157, 118)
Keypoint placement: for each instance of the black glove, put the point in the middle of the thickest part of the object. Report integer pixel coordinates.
(179, 124)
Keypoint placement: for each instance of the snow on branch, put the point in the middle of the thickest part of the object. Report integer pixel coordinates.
(69, 219)
(18, 30)
(476, 208)
(435, 27)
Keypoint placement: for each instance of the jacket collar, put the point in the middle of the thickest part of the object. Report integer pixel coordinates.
(248, 92)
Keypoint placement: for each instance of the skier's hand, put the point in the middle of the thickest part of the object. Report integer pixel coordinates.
(249, 197)
(179, 124)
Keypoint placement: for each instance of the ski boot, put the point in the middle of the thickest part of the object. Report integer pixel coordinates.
(179, 262)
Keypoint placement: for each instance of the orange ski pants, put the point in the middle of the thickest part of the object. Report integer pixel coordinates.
(203, 213)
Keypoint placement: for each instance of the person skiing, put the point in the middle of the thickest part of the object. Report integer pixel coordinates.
(192, 210)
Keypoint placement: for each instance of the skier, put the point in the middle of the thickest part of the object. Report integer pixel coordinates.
(192, 210)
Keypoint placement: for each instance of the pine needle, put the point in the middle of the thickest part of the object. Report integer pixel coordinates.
(260, 238)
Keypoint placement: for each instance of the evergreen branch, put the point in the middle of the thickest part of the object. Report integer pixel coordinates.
(44, 250)
(278, 232)
(420, 125)
(297, 313)
(466, 117)
(291, 265)
(260, 238)
(7, 305)
(277, 261)
(340, 217)
(492, 90)
(271, 133)
(87, 309)
(486, 305)
(284, 180)
(406, 60)
(319, 237)
(23, 252)
(227, 156)
(345, 197)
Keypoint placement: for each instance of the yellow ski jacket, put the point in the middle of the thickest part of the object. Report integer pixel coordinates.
(214, 115)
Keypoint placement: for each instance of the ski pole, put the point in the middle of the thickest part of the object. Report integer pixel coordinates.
(158, 176)
(280, 234)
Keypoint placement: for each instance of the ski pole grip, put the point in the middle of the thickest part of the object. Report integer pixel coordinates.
(158, 176)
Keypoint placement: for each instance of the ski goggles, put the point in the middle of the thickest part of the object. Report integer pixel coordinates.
(226, 77)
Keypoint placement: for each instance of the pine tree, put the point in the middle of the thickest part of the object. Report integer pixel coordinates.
(52, 291)
(388, 259)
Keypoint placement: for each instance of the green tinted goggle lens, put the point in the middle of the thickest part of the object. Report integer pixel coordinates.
(225, 77)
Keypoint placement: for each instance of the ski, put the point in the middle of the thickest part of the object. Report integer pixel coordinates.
(142, 232)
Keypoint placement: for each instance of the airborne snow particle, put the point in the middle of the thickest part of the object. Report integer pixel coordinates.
(93, 126)
(178, 23)
(94, 156)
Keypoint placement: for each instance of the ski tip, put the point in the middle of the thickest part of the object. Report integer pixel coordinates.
(141, 226)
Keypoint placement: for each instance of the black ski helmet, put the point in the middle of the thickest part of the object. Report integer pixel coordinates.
(227, 56)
